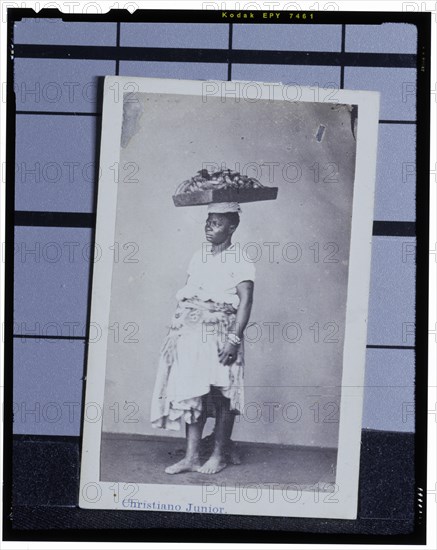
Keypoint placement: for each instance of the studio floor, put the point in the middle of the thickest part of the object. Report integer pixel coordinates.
(142, 459)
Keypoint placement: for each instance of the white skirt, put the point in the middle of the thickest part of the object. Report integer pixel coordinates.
(189, 364)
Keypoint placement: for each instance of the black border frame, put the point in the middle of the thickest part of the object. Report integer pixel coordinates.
(420, 229)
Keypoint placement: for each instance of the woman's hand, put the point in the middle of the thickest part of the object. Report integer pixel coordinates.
(228, 354)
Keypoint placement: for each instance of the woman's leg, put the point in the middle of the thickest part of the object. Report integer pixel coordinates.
(191, 461)
(224, 423)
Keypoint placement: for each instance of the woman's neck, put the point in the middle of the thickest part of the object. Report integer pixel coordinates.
(217, 248)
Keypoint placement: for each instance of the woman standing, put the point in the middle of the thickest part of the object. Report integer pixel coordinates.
(202, 357)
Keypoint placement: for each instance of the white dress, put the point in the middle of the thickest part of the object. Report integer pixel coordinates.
(189, 363)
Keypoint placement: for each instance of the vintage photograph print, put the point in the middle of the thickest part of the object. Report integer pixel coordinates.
(230, 298)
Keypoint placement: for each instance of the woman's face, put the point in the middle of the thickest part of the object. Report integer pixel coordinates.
(217, 228)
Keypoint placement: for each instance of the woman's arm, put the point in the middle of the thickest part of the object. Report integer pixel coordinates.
(245, 293)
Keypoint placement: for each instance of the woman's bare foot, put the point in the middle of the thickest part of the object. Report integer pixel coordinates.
(234, 458)
(184, 465)
(214, 464)
(232, 452)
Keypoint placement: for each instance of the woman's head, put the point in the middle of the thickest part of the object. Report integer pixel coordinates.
(220, 227)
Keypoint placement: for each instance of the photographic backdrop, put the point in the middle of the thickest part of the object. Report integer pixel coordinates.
(299, 243)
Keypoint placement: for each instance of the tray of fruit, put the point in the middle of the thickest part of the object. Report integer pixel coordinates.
(223, 186)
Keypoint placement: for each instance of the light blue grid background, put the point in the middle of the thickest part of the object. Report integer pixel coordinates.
(53, 294)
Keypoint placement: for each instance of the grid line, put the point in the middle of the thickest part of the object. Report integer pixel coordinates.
(86, 338)
(117, 60)
(30, 218)
(186, 55)
(227, 56)
(229, 53)
(343, 39)
(117, 53)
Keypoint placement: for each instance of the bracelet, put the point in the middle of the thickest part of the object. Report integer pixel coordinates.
(233, 338)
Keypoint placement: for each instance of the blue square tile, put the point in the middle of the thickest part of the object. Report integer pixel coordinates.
(71, 85)
(50, 174)
(301, 75)
(51, 280)
(187, 71)
(300, 37)
(395, 192)
(175, 35)
(384, 38)
(397, 87)
(392, 292)
(389, 390)
(48, 384)
(56, 31)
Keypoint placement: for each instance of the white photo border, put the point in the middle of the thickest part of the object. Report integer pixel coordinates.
(343, 503)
